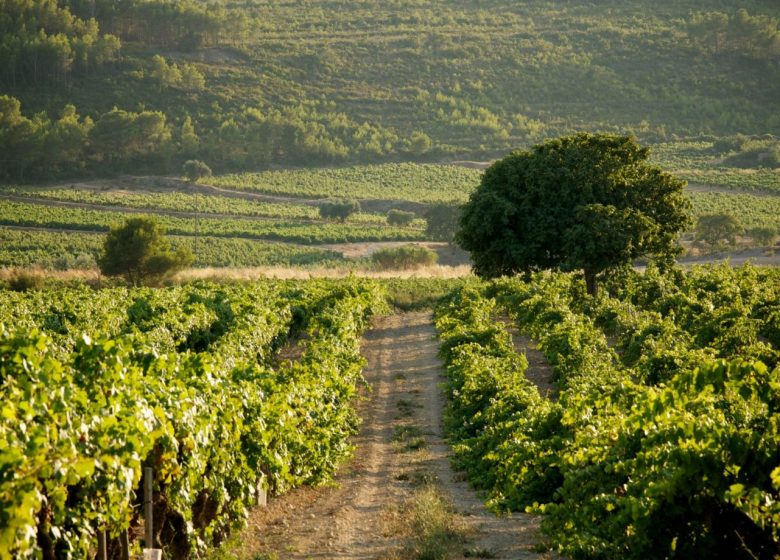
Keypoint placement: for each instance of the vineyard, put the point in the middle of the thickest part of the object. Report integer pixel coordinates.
(224, 390)
(55, 250)
(233, 226)
(750, 210)
(392, 181)
(662, 438)
(659, 439)
(407, 280)
(87, 219)
(177, 202)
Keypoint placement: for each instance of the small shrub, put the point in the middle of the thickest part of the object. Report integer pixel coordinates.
(716, 229)
(139, 251)
(195, 170)
(339, 209)
(406, 257)
(26, 280)
(400, 218)
(762, 236)
(436, 534)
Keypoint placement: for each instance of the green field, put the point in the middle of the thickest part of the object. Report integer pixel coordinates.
(80, 219)
(750, 210)
(392, 181)
(58, 250)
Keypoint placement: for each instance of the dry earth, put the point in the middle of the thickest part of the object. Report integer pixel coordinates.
(362, 515)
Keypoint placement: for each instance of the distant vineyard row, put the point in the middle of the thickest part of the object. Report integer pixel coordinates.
(37, 215)
(180, 202)
(62, 251)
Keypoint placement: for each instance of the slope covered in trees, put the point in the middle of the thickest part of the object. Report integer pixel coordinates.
(244, 86)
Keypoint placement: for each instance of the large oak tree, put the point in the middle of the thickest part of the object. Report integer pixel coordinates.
(583, 202)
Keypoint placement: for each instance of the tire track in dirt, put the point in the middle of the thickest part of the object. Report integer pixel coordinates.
(361, 516)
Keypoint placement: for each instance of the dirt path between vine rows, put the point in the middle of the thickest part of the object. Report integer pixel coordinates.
(362, 516)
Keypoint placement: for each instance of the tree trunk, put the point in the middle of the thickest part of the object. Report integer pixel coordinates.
(590, 282)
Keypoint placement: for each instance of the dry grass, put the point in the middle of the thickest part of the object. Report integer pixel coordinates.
(435, 531)
(92, 276)
(291, 273)
(85, 275)
(429, 526)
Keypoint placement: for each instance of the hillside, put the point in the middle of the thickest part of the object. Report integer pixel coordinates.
(148, 84)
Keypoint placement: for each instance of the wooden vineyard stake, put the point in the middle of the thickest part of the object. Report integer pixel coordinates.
(150, 553)
(262, 495)
(102, 548)
(124, 544)
(148, 508)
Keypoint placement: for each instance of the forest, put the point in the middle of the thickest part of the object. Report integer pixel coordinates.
(99, 87)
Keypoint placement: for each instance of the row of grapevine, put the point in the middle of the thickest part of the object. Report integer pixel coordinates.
(182, 202)
(391, 181)
(52, 249)
(23, 214)
(733, 311)
(183, 380)
(656, 450)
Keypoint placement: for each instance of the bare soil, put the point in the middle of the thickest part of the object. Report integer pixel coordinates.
(361, 516)
(449, 255)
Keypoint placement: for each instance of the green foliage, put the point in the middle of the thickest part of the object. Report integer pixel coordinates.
(654, 452)
(423, 80)
(668, 467)
(195, 170)
(139, 251)
(187, 78)
(504, 433)
(715, 229)
(588, 202)
(339, 209)
(763, 236)
(391, 181)
(404, 258)
(442, 222)
(752, 36)
(721, 310)
(55, 250)
(42, 42)
(752, 211)
(121, 136)
(83, 414)
(400, 217)
(307, 232)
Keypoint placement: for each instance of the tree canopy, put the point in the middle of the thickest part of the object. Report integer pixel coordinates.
(139, 251)
(589, 202)
(442, 222)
